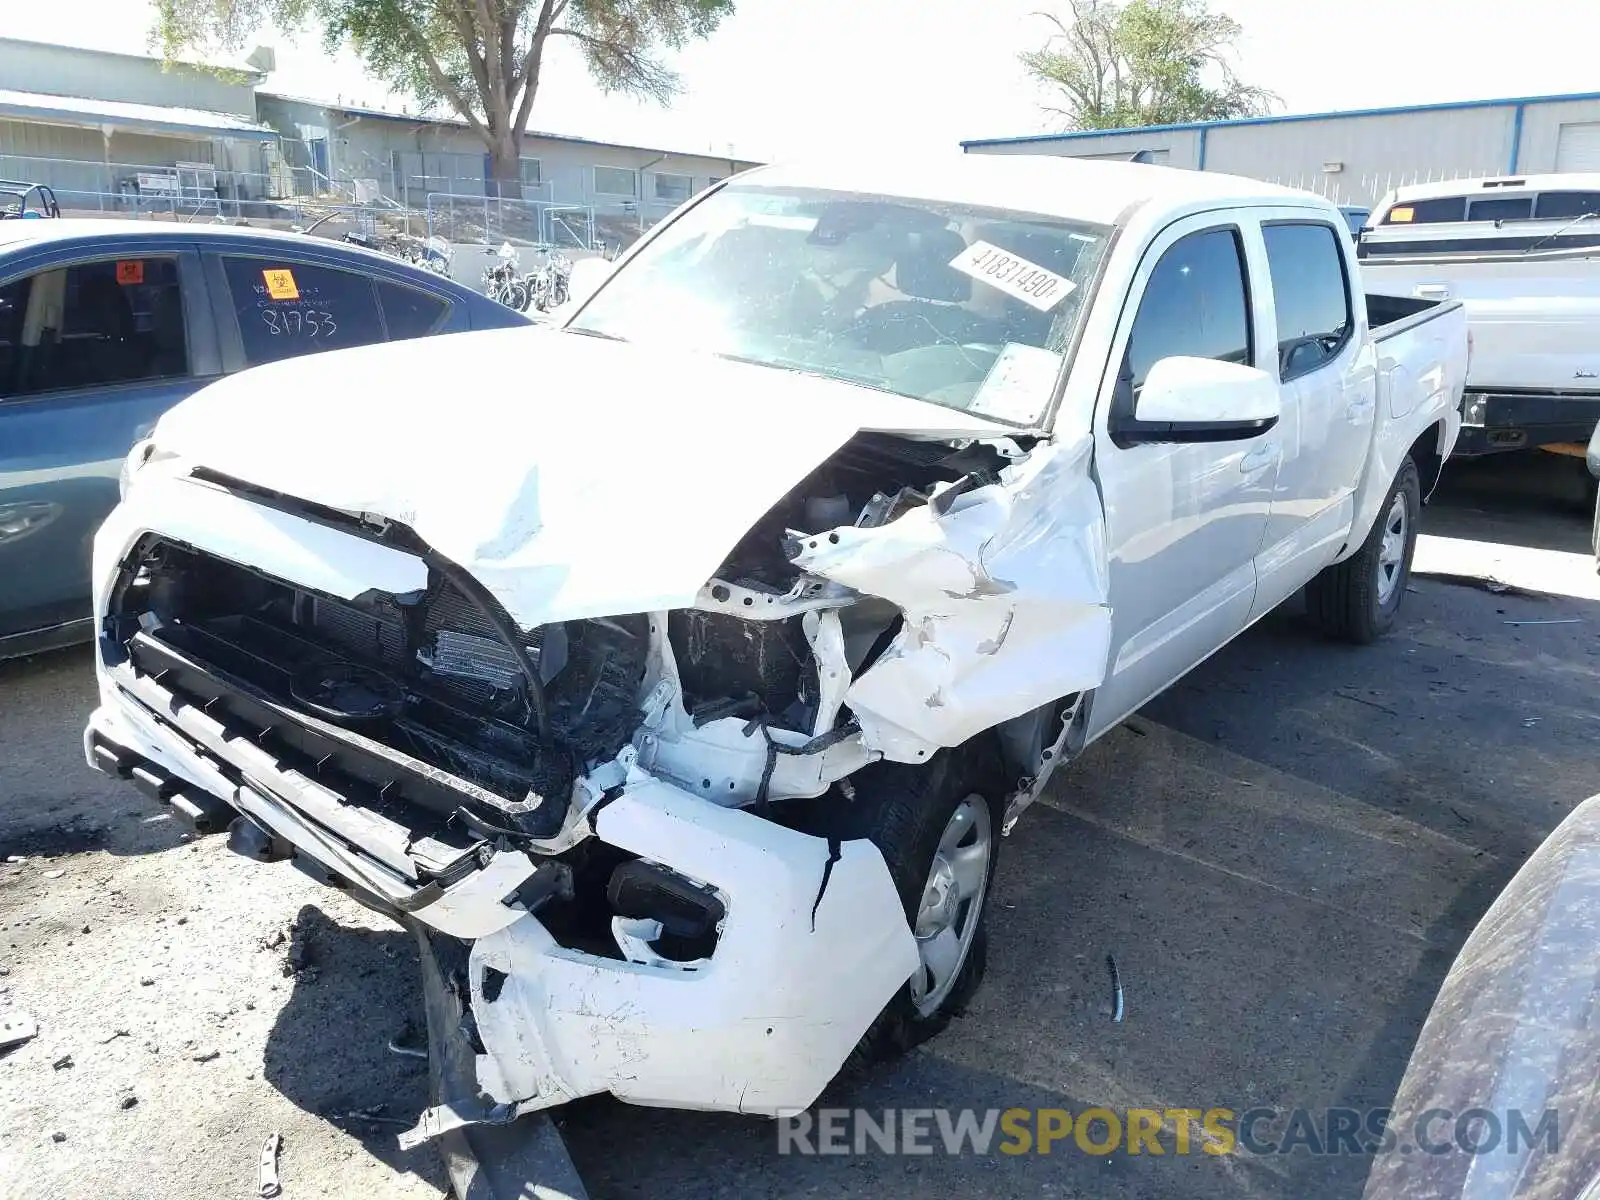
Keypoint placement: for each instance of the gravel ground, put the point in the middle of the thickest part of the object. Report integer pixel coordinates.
(1283, 853)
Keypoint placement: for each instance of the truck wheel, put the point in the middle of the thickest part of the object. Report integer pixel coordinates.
(937, 825)
(1357, 599)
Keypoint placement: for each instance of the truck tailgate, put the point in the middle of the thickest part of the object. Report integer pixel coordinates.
(1535, 322)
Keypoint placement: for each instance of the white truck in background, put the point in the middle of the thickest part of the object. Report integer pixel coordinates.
(685, 699)
(1522, 253)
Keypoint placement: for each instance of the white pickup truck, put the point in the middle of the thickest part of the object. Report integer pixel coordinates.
(681, 667)
(1522, 254)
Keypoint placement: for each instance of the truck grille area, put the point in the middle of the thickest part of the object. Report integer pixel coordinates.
(418, 695)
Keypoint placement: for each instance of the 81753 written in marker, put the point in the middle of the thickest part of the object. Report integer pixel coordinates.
(1028, 282)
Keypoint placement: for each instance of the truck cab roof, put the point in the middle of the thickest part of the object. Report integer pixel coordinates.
(1106, 193)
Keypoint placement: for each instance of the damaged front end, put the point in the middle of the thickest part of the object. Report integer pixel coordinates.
(603, 807)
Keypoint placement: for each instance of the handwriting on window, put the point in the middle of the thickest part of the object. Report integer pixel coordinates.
(299, 322)
(294, 310)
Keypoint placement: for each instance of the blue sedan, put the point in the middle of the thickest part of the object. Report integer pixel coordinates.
(104, 325)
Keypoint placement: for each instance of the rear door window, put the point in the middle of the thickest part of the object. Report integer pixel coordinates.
(288, 307)
(1310, 296)
(93, 324)
(410, 312)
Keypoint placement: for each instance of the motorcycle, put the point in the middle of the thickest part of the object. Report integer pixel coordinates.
(501, 281)
(547, 287)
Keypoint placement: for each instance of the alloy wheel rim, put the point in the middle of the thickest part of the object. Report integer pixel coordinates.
(1392, 549)
(952, 902)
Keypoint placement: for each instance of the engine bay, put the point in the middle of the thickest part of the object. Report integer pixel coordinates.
(506, 721)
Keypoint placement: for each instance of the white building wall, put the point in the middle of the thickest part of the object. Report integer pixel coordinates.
(70, 71)
(1181, 146)
(452, 158)
(1355, 161)
(1352, 160)
(1541, 131)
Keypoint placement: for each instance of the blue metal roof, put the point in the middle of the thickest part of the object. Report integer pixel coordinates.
(1447, 106)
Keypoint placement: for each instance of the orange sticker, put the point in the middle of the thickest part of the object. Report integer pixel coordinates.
(1400, 216)
(130, 272)
(281, 284)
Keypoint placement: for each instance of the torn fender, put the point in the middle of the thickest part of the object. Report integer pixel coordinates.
(1004, 596)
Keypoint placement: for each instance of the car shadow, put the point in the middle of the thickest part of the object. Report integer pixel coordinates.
(354, 990)
(55, 803)
(1533, 499)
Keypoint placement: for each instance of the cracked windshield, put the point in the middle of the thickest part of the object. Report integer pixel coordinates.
(968, 308)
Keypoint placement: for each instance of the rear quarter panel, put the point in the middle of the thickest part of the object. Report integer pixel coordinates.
(1421, 372)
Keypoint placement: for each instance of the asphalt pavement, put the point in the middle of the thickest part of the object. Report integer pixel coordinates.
(1282, 855)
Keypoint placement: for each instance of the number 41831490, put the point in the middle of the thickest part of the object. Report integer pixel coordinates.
(299, 322)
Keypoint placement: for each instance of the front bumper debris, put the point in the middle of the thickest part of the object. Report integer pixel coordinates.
(798, 972)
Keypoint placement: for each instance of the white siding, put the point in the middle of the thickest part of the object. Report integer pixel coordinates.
(68, 71)
(1541, 131)
(1578, 147)
(1356, 160)
(451, 158)
(1173, 147)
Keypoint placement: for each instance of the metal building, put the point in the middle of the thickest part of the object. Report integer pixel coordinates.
(1355, 157)
(124, 133)
(105, 129)
(438, 164)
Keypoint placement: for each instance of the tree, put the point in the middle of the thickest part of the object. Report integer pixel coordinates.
(481, 58)
(1144, 63)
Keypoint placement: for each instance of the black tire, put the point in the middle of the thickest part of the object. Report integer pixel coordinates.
(1344, 599)
(904, 809)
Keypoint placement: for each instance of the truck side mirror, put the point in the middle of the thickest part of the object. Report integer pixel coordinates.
(1201, 400)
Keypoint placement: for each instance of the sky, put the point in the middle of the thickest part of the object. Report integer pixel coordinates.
(785, 78)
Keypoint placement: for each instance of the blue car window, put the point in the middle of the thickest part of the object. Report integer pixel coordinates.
(93, 324)
(287, 307)
(408, 312)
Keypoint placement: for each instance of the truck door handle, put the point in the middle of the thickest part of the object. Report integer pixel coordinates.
(1357, 411)
(1259, 459)
(1431, 291)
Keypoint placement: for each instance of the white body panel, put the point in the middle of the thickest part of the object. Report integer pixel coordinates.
(1535, 322)
(1082, 567)
(1531, 287)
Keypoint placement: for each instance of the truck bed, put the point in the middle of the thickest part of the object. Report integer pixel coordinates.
(1389, 315)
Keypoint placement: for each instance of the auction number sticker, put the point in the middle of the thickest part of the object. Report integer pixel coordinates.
(1028, 282)
(130, 272)
(280, 284)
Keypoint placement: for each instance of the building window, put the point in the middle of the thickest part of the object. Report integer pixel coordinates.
(673, 187)
(615, 181)
(530, 172)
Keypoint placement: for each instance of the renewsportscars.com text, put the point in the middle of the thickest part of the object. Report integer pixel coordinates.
(1163, 1131)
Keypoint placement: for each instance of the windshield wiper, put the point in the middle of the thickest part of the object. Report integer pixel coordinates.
(594, 333)
(1578, 220)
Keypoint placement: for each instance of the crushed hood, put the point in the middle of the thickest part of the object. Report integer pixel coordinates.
(574, 477)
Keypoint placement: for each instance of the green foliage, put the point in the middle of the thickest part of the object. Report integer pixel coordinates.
(1144, 63)
(480, 58)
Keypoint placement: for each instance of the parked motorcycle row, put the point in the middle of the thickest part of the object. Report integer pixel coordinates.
(430, 253)
(538, 290)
